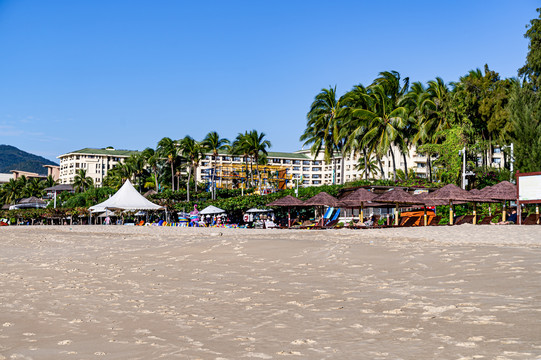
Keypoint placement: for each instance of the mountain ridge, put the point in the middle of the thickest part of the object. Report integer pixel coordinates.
(12, 158)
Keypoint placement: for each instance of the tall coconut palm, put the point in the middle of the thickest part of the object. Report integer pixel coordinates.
(193, 152)
(12, 191)
(168, 149)
(257, 146)
(323, 127)
(240, 147)
(81, 182)
(213, 143)
(385, 122)
(151, 158)
(354, 128)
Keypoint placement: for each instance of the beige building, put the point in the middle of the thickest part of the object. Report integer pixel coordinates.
(96, 162)
(315, 172)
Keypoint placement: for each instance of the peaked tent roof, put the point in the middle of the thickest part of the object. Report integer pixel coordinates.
(126, 198)
(502, 191)
(211, 210)
(359, 196)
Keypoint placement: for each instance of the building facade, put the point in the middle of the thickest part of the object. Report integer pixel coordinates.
(308, 170)
(96, 163)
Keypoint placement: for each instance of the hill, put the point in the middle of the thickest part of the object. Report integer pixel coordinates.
(12, 158)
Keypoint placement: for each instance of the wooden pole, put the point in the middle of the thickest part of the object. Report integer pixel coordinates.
(425, 216)
(396, 215)
(474, 213)
(504, 211)
(451, 212)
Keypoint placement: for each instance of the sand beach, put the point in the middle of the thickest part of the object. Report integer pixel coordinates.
(119, 292)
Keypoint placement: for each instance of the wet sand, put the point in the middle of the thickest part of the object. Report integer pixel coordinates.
(118, 292)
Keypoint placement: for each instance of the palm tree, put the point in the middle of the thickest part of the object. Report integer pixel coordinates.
(240, 147)
(193, 152)
(354, 128)
(151, 158)
(257, 146)
(367, 167)
(50, 182)
(385, 122)
(81, 182)
(212, 142)
(11, 191)
(136, 165)
(323, 127)
(168, 149)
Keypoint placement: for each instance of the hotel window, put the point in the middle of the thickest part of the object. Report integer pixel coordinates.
(305, 169)
(276, 161)
(317, 162)
(497, 161)
(296, 168)
(497, 150)
(316, 182)
(306, 162)
(287, 161)
(296, 162)
(316, 169)
(236, 158)
(316, 176)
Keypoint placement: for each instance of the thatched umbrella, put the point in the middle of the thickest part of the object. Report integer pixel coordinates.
(422, 197)
(503, 191)
(398, 196)
(450, 193)
(358, 198)
(323, 199)
(289, 202)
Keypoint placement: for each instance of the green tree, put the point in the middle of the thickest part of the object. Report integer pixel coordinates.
(257, 147)
(214, 143)
(168, 149)
(323, 127)
(81, 182)
(193, 152)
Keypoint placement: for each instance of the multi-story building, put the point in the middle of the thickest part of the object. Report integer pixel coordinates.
(96, 162)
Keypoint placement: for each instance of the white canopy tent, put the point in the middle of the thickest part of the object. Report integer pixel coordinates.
(126, 198)
(210, 210)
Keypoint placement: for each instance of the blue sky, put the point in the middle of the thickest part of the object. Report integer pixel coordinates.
(76, 74)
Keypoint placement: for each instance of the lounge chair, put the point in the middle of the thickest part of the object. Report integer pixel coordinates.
(531, 219)
(434, 220)
(486, 220)
(410, 221)
(465, 219)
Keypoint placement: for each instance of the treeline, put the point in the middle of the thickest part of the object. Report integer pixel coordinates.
(479, 112)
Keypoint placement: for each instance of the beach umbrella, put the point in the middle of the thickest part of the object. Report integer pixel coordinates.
(323, 199)
(289, 202)
(398, 197)
(451, 193)
(210, 210)
(422, 197)
(502, 191)
(358, 198)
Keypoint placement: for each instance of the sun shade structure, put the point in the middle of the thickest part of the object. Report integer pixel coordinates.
(289, 202)
(126, 198)
(256, 210)
(210, 210)
(450, 193)
(323, 199)
(398, 196)
(503, 191)
(358, 199)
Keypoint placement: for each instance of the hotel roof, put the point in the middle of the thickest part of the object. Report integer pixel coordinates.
(105, 151)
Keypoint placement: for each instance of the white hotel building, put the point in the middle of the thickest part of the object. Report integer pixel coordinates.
(96, 162)
(300, 164)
